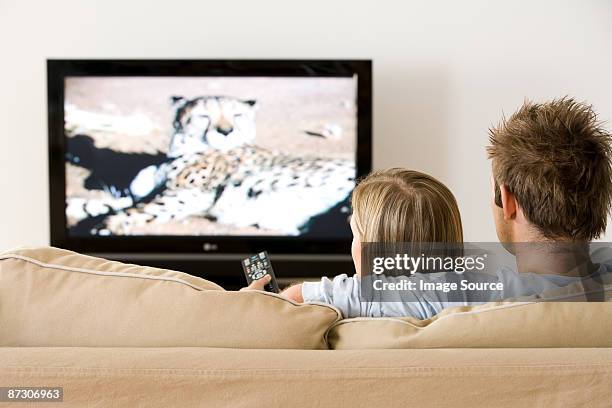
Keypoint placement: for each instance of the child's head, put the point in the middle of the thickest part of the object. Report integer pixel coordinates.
(400, 205)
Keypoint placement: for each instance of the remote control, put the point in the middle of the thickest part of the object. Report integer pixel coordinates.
(258, 266)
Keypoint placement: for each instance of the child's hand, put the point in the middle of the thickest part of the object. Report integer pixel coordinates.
(259, 283)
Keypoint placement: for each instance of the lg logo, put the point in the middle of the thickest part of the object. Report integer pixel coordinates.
(208, 247)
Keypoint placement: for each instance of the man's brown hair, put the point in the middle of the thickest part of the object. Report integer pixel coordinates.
(556, 159)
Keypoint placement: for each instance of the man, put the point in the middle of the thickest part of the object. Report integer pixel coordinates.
(551, 194)
(552, 178)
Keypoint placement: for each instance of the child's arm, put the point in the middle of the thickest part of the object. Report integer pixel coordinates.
(341, 292)
(294, 292)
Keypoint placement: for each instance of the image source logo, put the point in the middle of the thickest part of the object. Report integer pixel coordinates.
(473, 273)
(407, 259)
(427, 263)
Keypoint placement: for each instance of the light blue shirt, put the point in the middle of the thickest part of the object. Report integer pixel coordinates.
(343, 292)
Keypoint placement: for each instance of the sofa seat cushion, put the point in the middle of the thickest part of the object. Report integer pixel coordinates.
(53, 297)
(199, 377)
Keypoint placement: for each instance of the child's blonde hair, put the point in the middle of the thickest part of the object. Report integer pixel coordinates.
(400, 205)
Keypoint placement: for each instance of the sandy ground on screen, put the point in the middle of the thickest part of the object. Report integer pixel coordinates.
(287, 108)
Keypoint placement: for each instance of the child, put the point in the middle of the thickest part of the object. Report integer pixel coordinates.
(395, 205)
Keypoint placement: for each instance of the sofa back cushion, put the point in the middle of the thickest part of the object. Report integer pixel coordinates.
(53, 297)
(560, 318)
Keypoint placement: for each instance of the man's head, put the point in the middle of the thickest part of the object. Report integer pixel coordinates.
(552, 173)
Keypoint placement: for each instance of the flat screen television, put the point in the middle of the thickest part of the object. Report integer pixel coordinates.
(177, 158)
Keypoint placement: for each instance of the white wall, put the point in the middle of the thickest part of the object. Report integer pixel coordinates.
(443, 73)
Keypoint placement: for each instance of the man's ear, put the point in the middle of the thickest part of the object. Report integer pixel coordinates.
(508, 203)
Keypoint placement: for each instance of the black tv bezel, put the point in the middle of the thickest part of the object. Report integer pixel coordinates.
(58, 70)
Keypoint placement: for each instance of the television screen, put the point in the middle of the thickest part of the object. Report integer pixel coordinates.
(209, 155)
(194, 162)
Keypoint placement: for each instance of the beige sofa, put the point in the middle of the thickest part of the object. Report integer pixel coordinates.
(113, 334)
